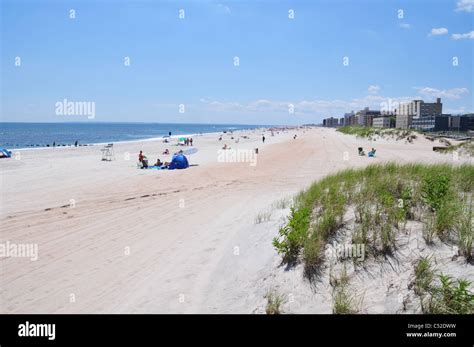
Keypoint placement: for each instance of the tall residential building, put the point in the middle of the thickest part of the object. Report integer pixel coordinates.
(330, 122)
(350, 118)
(406, 112)
(365, 117)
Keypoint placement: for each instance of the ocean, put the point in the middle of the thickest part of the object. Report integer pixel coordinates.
(28, 135)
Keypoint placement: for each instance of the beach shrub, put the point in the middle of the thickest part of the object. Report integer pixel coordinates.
(292, 235)
(448, 296)
(451, 297)
(435, 190)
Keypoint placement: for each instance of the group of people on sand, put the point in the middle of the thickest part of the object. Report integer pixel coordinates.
(143, 161)
(188, 141)
(370, 154)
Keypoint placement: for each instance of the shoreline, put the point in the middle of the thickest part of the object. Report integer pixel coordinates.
(137, 140)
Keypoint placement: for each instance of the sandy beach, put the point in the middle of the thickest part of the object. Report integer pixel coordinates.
(116, 239)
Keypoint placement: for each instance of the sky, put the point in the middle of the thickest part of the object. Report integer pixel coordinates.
(239, 62)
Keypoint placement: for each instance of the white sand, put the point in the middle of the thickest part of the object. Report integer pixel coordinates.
(193, 244)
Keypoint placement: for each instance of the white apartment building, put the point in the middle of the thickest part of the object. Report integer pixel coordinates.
(415, 109)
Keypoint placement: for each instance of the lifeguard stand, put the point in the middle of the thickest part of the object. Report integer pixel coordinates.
(108, 153)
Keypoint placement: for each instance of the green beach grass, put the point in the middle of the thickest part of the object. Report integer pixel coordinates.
(371, 133)
(383, 198)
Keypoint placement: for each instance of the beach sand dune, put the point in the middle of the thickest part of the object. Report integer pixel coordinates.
(115, 239)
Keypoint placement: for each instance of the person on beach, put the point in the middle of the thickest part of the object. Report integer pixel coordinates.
(158, 162)
(191, 141)
(263, 138)
(75, 143)
(169, 133)
(371, 153)
(166, 151)
(143, 160)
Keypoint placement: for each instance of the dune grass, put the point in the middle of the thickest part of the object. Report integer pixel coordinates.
(463, 148)
(372, 133)
(282, 203)
(262, 217)
(274, 302)
(344, 301)
(440, 293)
(383, 198)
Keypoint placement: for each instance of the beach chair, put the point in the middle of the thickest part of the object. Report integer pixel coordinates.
(108, 153)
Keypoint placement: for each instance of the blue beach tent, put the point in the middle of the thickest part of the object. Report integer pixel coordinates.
(179, 161)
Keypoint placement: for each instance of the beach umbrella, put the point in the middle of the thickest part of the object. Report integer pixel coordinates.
(6, 153)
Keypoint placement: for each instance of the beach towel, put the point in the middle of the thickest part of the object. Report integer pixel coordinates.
(157, 167)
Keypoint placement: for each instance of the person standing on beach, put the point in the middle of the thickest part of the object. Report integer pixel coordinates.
(191, 141)
(169, 133)
(263, 138)
(75, 143)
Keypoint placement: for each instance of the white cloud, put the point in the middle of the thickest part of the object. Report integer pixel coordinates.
(454, 93)
(469, 35)
(465, 5)
(438, 31)
(306, 107)
(373, 89)
(405, 26)
(224, 8)
(323, 108)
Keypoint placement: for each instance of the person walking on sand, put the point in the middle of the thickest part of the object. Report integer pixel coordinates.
(191, 141)
(263, 138)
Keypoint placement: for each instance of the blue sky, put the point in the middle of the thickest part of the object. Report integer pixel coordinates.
(284, 64)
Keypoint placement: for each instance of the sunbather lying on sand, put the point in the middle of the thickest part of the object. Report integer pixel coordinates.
(226, 147)
(166, 151)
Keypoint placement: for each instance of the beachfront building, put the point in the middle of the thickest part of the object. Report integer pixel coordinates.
(383, 122)
(408, 111)
(342, 122)
(330, 122)
(366, 116)
(462, 123)
(432, 123)
(350, 118)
